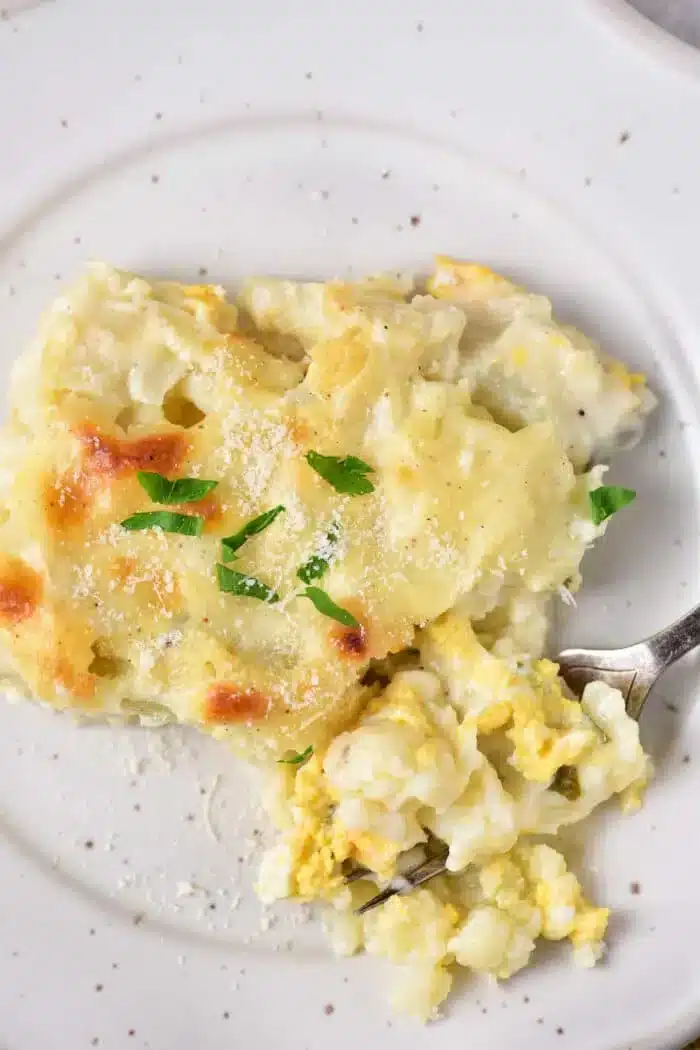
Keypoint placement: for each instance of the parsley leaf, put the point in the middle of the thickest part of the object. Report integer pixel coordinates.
(325, 604)
(167, 520)
(182, 490)
(232, 582)
(608, 499)
(346, 474)
(318, 564)
(298, 758)
(231, 544)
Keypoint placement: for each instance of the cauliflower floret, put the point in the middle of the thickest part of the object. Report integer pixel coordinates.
(482, 821)
(414, 932)
(524, 366)
(403, 759)
(558, 894)
(490, 941)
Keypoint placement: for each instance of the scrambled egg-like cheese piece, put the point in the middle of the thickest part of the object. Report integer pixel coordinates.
(417, 765)
(430, 713)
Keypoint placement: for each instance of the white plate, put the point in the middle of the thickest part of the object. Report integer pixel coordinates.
(554, 140)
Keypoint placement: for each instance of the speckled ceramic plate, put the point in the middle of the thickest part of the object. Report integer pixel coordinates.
(552, 140)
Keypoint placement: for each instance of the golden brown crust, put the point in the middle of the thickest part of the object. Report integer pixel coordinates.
(110, 456)
(66, 500)
(80, 684)
(208, 508)
(351, 642)
(226, 704)
(21, 589)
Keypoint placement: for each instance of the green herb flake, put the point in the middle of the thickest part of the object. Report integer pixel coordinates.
(298, 758)
(325, 605)
(318, 564)
(181, 490)
(167, 520)
(232, 582)
(346, 474)
(566, 783)
(231, 544)
(607, 500)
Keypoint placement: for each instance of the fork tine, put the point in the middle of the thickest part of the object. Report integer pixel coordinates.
(355, 874)
(406, 882)
(379, 898)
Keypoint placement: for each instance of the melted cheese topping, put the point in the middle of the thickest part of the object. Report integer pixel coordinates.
(128, 375)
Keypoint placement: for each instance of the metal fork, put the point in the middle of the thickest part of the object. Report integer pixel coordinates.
(634, 670)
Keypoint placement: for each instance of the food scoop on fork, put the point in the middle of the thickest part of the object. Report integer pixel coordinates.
(634, 670)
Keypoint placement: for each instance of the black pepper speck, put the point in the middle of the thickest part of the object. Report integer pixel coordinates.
(624, 137)
(635, 889)
(155, 178)
(328, 1009)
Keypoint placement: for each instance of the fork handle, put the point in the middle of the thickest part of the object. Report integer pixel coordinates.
(675, 641)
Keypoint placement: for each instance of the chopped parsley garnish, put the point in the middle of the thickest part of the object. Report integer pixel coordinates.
(325, 605)
(346, 474)
(566, 783)
(232, 582)
(231, 544)
(298, 758)
(167, 520)
(318, 564)
(607, 500)
(181, 490)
